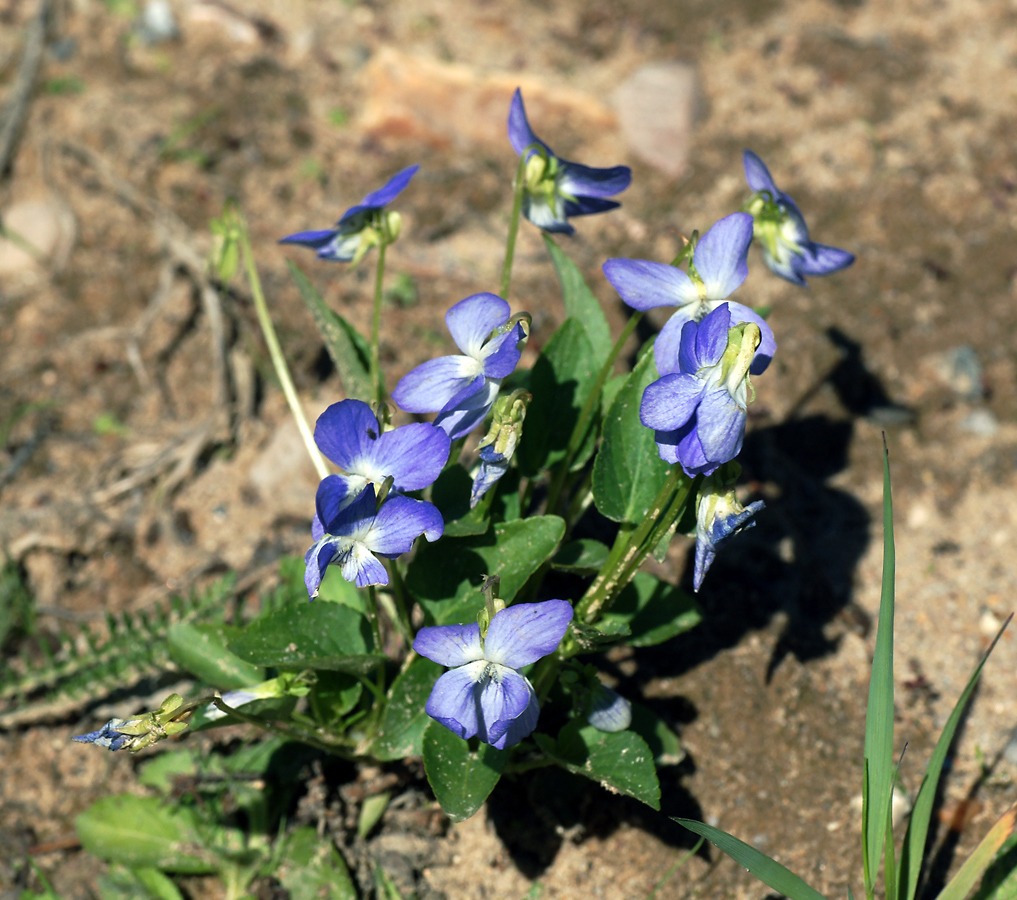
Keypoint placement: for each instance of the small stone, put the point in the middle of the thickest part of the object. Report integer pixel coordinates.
(229, 22)
(959, 369)
(157, 23)
(657, 110)
(980, 422)
(39, 232)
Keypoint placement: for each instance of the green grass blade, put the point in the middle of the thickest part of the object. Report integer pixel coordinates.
(767, 870)
(879, 714)
(921, 815)
(962, 883)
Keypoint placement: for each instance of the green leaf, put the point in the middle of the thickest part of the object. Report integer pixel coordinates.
(767, 870)
(917, 832)
(961, 884)
(403, 725)
(620, 762)
(584, 638)
(561, 380)
(310, 636)
(580, 302)
(460, 778)
(349, 351)
(201, 650)
(654, 611)
(312, 868)
(664, 744)
(142, 831)
(445, 576)
(628, 472)
(583, 557)
(334, 695)
(879, 762)
(157, 884)
(1000, 879)
(335, 589)
(451, 494)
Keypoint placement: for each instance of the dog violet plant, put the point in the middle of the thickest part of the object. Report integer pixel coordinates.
(476, 648)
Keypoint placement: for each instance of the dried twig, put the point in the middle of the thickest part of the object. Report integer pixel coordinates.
(31, 60)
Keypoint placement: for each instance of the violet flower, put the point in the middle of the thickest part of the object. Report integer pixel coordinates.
(361, 227)
(718, 268)
(698, 407)
(556, 189)
(782, 232)
(719, 516)
(484, 694)
(353, 535)
(462, 389)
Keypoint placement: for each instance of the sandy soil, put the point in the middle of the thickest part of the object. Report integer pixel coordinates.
(160, 452)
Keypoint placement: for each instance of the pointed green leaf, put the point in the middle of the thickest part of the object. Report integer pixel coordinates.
(879, 762)
(653, 610)
(628, 472)
(403, 725)
(767, 870)
(620, 762)
(445, 576)
(580, 302)
(917, 833)
(664, 744)
(349, 351)
(201, 650)
(311, 636)
(961, 884)
(560, 382)
(1000, 879)
(583, 557)
(312, 869)
(142, 831)
(460, 778)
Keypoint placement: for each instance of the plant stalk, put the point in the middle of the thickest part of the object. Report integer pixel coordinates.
(379, 279)
(510, 244)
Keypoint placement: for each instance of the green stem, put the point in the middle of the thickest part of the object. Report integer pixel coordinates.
(371, 608)
(510, 245)
(376, 325)
(275, 352)
(586, 414)
(398, 590)
(297, 734)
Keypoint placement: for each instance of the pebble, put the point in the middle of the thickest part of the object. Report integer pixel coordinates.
(980, 422)
(157, 23)
(656, 108)
(959, 369)
(45, 224)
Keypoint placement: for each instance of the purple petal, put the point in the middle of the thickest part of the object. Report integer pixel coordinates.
(551, 219)
(392, 189)
(520, 134)
(767, 344)
(667, 347)
(818, 259)
(469, 414)
(501, 354)
(413, 455)
(690, 454)
(471, 320)
(588, 206)
(721, 255)
(315, 239)
(712, 336)
(609, 711)
(347, 432)
(757, 175)
(644, 285)
(488, 475)
(587, 181)
(399, 522)
(453, 701)
(522, 634)
(361, 567)
(521, 726)
(331, 497)
(503, 698)
(317, 529)
(316, 561)
(706, 552)
(720, 424)
(784, 268)
(670, 402)
(431, 385)
(450, 645)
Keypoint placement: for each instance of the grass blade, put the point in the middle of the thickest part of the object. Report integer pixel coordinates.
(767, 870)
(962, 883)
(878, 770)
(921, 815)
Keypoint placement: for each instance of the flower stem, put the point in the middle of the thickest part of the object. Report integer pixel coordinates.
(286, 730)
(275, 352)
(586, 414)
(510, 245)
(398, 591)
(379, 279)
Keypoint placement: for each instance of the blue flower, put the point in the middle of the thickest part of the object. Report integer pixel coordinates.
(484, 694)
(718, 517)
(353, 535)
(462, 389)
(361, 226)
(107, 737)
(144, 729)
(782, 232)
(499, 444)
(717, 270)
(609, 710)
(349, 434)
(697, 409)
(557, 189)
